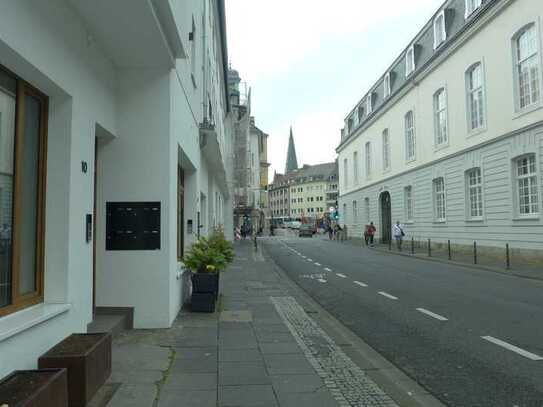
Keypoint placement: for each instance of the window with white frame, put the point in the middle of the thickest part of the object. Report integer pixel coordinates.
(368, 159)
(527, 62)
(475, 193)
(410, 61)
(367, 209)
(409, 136)
(355, 212)
(386, 150)
(526, 182)
(440, 117)
(345, 173)
(471, 6)
(369, 104)
(193, 49)
(386, 85)
(355, 167)
(476, 97)
(440, 33)
(439, 199)
(408, 202)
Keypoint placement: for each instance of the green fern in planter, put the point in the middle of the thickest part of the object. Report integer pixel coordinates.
(204, 258)
(219, 242)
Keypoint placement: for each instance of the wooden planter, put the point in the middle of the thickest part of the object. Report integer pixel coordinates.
(202, 302)
(87, 357)
(35, 388)
(206, 283)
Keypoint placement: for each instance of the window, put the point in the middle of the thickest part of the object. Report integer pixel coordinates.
(369, 103)
(475, 193)
(410, 61)
(386, 150)
(526, 180)
(471, 6)
(192, 39)
(386, 85)
(440, 117)
(355, 167)
(180, 212)
(440, 33)
(355, 212)
(360, 113)
(527, 67)
(409, 207)
(350, 124)
(409, 136)
(22, 177)
(368, 159)
(439, 199)
(367, 209)
(475, 92)
(345, 173)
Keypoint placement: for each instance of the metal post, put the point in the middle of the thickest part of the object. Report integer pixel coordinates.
(390, 244)
(429, 248)
(507, 258)
(474, 252)
(449, 248)
(412, 245)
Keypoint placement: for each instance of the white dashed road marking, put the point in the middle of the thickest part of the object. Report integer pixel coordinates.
(304, 257)
(341, 275)
(360, 283)
(309, 259)
(387, 295)
(512, 348)
(321, 280)
(317, 264)
(432, 314)
(327, 269)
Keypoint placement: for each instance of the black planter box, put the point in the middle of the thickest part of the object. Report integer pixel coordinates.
(202, 302)
(206, 283)
(35, 388)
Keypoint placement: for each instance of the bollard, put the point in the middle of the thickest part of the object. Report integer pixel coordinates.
(412, 245)
(474, 252)
(429, 248)
(449, 248)
(507, 258)
(390, 244)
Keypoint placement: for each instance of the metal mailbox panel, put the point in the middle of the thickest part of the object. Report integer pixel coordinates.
(133, 226)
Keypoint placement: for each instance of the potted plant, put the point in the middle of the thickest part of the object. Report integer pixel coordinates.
(33, 388)
(206, 258)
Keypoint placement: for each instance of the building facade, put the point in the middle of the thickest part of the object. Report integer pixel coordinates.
(449, 141)
(311, 188)
(121, 161)
(279, 197)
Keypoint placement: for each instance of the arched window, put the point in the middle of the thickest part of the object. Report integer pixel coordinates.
(475, 97)
(409, 136)
(527, 66)
(440, 117)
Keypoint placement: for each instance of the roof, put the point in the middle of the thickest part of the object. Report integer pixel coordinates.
(455, 23)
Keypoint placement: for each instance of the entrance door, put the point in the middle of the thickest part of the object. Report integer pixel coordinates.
(386, 217)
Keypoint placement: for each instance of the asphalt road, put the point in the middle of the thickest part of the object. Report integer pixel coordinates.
(472, 338)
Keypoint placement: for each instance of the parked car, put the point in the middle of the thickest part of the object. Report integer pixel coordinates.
(306, 229)
(295, 224)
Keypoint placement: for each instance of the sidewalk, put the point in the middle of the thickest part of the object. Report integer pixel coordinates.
(259, 349)
(519, 266)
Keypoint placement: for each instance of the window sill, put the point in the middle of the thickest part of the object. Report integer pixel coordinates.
(526, 110)
(439, 147)
(475, 220)
(409, 222)
(440, 222)
(526, 218)
(476, 132)
(20, 321)
(410, 160)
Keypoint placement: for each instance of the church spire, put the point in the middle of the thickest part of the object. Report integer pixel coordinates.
(292, 162)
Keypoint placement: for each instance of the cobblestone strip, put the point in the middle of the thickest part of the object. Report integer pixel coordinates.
(348, 384)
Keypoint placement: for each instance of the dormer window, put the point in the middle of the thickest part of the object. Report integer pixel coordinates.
(471, 6)
(440, 34)
(369, 104)
(410, 61)
(350, 124)
(360, 113)
(386, 85)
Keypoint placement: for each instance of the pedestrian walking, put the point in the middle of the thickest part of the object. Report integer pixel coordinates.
(371, 233)
(330, 231)
(398, 233)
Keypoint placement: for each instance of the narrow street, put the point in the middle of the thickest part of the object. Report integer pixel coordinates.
(470, 337)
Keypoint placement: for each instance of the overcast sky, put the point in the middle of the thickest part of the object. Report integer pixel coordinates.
(308, 62)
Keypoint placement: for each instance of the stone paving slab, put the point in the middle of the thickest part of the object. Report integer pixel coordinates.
(191, 381)
(199, 398)
(240, 373)
(247, 396)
